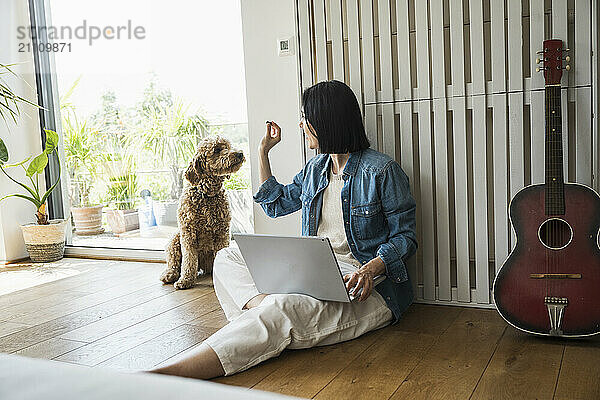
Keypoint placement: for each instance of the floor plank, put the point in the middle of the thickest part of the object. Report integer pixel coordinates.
(215, 319)
(59, 326)
(133, 315)
(124, 287)
(37, 305)
(159, 349)
(18, 277)
(378, 372)
(126, 339)
(7, 328)
(93, 276)
(580, 371)
(430, 319)
(50, 348)
(519, 360)
(454, 364)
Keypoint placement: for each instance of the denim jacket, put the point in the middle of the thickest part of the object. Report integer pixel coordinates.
(378, 211)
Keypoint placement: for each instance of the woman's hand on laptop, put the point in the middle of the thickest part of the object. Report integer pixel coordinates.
(363, 278)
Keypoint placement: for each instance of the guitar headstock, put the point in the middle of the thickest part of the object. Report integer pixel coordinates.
(552, 59)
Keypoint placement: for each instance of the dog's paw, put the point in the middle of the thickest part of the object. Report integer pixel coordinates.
(183, 284)
(169, 276)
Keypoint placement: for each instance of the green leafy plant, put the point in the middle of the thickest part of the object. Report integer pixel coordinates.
(9, 100)
(33, 170)
(236, 181)
(172, 135)
(82, 150)
(122, 191)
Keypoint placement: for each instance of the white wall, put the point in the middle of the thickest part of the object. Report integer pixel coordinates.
(272, 90)
(22, 139)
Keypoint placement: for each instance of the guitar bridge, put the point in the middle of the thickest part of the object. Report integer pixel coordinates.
(556, 307)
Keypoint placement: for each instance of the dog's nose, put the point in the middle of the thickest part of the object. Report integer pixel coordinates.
(240, 156)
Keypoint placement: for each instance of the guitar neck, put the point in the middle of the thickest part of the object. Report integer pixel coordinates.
(555, 197)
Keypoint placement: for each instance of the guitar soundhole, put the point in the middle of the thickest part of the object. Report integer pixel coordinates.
(555, 233)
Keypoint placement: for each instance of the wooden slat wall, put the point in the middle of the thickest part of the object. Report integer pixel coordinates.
(465, 122)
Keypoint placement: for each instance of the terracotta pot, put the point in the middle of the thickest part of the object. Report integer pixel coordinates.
(121, 221)
(45, 243)
(88, 220)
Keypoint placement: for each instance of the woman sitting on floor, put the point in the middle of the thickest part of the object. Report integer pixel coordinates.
(357, 197)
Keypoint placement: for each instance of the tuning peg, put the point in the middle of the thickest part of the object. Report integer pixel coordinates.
(539, 52)
(568, 67)
(537, 60)
(538, 69)
(567, 58)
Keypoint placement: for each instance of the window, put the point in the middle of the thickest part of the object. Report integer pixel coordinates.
(138, 85)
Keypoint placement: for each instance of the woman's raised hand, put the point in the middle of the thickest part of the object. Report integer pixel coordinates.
(271, 138)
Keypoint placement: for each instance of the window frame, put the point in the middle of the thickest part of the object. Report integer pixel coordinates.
(49, 114)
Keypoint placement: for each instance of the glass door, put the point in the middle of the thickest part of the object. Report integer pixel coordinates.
(141, 83)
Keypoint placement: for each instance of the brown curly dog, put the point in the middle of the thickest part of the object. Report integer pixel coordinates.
(203, 214)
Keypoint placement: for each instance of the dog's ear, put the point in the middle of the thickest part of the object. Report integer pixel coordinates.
(191, 173)
(198, 166)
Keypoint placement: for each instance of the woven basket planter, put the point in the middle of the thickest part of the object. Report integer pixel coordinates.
(88, 220)
(45, 243)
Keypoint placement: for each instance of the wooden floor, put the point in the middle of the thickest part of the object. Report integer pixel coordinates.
(117, 315)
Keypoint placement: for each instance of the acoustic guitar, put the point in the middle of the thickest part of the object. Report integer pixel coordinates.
(550, 283)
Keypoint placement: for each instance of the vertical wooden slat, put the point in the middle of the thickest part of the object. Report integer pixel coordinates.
(387, 86)
(320, 40)
(536, 38)
(306, 70)
(405, 93)
(425, 152)
(515, 101)
(403, 42)
(583, 132)
(306, 57)
(337, 38)
(460, 151)
(438, 74)
(499, 127)
(368, 70)
(583, 104)
(354, 50)
(479, 152)
(559, 31)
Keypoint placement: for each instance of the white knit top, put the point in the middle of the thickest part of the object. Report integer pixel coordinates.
(331, 223)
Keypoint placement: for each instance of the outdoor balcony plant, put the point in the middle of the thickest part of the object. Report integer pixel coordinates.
(82, 151)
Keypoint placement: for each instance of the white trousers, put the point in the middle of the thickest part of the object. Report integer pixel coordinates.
(294, 321)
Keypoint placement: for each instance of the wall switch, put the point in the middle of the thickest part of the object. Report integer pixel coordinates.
(285, 46)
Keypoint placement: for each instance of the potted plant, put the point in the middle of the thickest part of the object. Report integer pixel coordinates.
(45, 240)
(83, 160)
(172, 136)
(122, 187)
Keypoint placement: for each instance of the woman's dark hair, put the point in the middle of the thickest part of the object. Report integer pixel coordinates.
(333, 111)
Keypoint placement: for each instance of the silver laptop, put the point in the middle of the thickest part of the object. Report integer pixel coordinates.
(295, 264)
